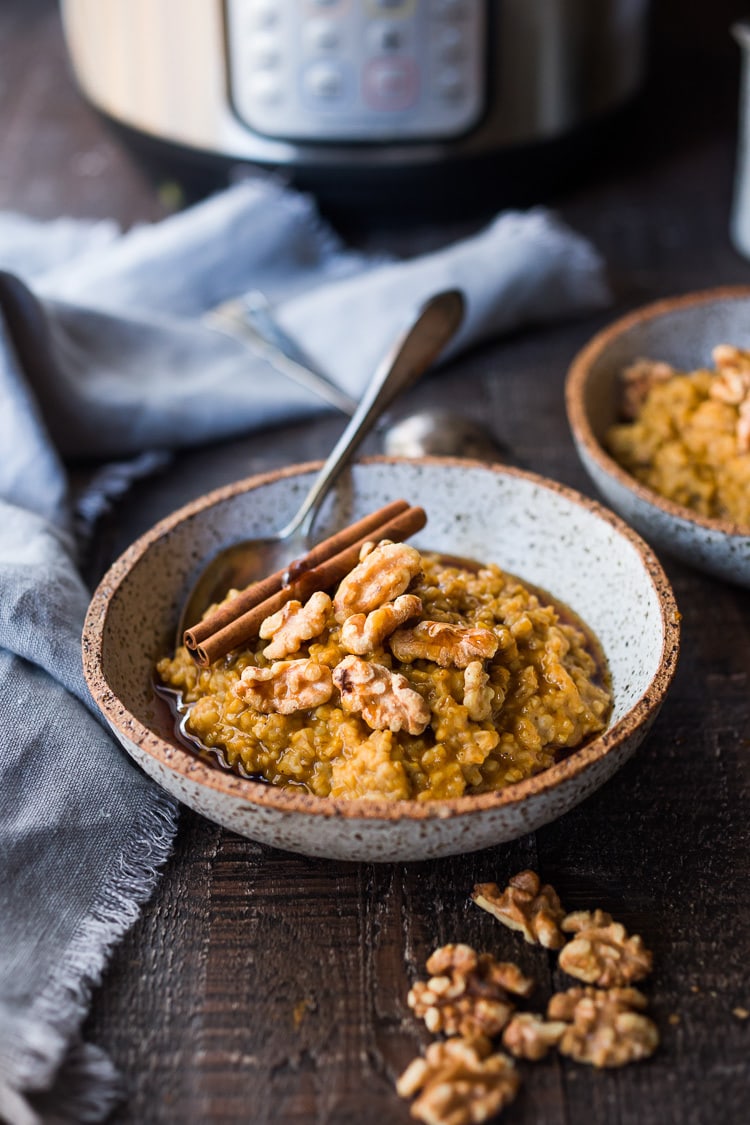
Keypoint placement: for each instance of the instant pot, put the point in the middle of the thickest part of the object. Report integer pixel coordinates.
(361, 97)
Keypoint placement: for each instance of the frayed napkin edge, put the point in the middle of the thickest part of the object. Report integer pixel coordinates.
(54, 1020)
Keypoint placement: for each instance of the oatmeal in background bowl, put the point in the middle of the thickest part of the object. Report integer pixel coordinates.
(514, 523)
(686, 434)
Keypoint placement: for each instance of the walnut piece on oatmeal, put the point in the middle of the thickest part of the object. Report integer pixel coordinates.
(467, 993)
(638, 379)
(732, 385)
(732, 364)
(444, 644)
(368, 547)
(383, 574)
(606, 1028)
(287, 686)
(461, 1082)
(383, 698)
(525, 905)
(602, 952)
(363, 633)
(293, 624)
(530, 1036)
(477, 696)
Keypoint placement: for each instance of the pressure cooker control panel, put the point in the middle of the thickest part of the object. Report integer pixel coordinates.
(357, 70)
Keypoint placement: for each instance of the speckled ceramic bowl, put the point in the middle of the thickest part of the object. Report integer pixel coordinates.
(552, 537)
(683, 331)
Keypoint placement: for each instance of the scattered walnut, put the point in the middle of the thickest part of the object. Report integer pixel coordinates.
(525, 905)
(383, 698)
(602, 953)
(463, 959)
(603, 1028)
(467, 993)
(583, 919)
(461, 1082)
(529, 1036)
(562, 1006)
(362, 633)
(444, 644)
(293, 624)
(638, 379)
(383, 574)
(285, 687)
(477, 696)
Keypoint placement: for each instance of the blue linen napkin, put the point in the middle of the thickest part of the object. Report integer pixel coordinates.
(103, 354)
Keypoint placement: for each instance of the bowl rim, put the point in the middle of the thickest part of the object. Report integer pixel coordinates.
(183, 762)
(575, 387)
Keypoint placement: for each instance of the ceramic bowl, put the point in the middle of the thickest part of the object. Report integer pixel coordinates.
(683, 331)
(554, 538)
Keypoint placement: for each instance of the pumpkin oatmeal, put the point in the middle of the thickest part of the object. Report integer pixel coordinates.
(688, 433)
(467, 683)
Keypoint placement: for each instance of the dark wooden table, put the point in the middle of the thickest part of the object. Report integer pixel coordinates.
(260, 986)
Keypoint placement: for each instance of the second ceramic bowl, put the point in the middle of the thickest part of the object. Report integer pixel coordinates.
(683, 331)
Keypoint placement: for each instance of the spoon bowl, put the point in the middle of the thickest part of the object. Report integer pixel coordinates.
(435, 323)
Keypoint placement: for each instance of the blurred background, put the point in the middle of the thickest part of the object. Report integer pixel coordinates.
(389, 110)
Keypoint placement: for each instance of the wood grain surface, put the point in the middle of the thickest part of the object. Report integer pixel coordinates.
(259, 986)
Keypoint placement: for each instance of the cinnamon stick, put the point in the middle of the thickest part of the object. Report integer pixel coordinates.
(322, 577)
(262, 590)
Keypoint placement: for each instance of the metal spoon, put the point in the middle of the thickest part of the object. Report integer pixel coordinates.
(235, 567)
(441, 433)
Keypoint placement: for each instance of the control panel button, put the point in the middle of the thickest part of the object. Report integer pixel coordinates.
(390, 84)
(383, 38)
(450, 84)
(264, 14)
(265, 51)
(266, 88)
(448, 42)
(322, 36)
(325, 82)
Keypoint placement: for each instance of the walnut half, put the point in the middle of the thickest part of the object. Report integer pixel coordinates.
(530, 1036)
(467, 993)
(602, 952)
(287, 686)
(638, 379)
(444, 644)
(461, 1082)
(732, 385)
(380, 577)
(606, 1028)
(363, 633)
(383, 698)
(293, 624)
(477, 695)
(525, 905)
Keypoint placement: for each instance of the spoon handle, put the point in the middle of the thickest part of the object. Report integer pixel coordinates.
(435, 324)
